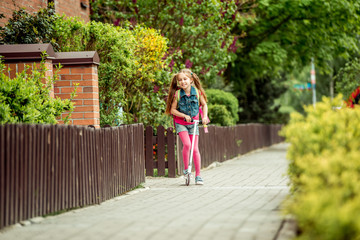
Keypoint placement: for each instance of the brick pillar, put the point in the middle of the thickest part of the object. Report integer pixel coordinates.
(14, 67)
(79, 68)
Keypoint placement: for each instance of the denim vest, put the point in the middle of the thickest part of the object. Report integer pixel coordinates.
(188, 105)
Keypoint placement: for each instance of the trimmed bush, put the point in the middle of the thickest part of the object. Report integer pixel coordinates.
(25, 99)
(132, 78)
(219, 115)
(325, 170)
(228, 113)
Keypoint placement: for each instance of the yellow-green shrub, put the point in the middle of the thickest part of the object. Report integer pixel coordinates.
(324, 170)
(132, 78)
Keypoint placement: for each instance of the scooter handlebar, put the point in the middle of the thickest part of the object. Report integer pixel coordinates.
(192, 120)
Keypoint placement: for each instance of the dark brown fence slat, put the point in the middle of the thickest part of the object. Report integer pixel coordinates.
(22, 162)
(170, 137)
(71, 168)
(92, 134)
(105, 165)
(98, 164)
(90, 160)
(123, 159)
(129, 158)
(81, 168)
(53, 172)
(27, 174)
(76, 170)
(38, 168)
(149, 151)
(2, 175)
(87, 155)
(16, 172)
(14, 185)
(8, 200)
(61, 167)
(132, 159)
(118, 147)
(110, 164)
(85, 184)
(45, 172)
(57, 170)
(114, 164)
(161, 150)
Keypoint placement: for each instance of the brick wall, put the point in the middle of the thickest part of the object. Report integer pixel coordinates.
(73, 8)
(86, 110)
(77, 68)
(70, 8)
(7, 7)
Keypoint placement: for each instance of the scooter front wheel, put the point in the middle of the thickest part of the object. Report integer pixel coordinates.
(187, 179)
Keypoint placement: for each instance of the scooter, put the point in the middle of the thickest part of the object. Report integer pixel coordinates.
(188, 174)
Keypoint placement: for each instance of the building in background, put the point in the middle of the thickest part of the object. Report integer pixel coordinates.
(70, 8)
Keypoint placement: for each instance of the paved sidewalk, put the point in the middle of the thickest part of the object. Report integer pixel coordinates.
(240, 200)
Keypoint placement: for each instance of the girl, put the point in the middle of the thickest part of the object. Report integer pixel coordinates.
(184, 101)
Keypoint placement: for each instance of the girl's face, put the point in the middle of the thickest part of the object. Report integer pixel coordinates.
(184, 81)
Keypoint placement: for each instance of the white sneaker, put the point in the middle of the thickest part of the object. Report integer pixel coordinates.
(199, 181)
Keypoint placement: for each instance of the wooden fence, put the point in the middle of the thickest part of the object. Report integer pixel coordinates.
(218, 145)
(46, 169)
(160, 151)
(50, 168)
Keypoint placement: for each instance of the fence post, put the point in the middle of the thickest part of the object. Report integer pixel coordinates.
(161, 150)
(171, 152)
(149, 151)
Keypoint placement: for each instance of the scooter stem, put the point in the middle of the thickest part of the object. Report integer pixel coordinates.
(192, 146)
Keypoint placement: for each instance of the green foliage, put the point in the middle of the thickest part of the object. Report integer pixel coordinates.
(25, 99)
(284, 35)
(24, 28)
(324, 170)
(223, 107)
(198, 31)
(132, 79)
(258, 104)
(348, 78)
(287, 34)
(295, 99)
(219, 115)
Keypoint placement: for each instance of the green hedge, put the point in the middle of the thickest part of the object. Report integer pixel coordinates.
(132, 78)
(25, 99)
(223, 107)
(325, 170)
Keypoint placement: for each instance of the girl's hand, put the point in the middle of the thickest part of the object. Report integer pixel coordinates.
(205, 120)
(187, 118)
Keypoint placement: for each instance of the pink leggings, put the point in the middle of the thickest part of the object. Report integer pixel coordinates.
(186, 141)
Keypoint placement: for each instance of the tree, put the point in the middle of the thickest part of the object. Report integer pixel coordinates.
(198, 31)
(348, 78)
(284, 35)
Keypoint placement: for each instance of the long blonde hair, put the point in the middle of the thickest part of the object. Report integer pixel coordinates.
(174, 87)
